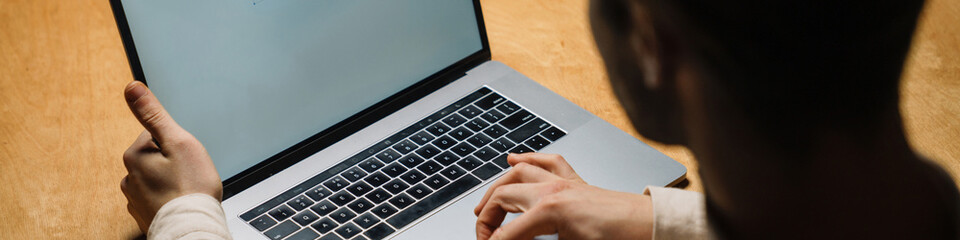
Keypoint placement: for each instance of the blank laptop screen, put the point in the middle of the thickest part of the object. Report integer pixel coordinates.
(250, 78)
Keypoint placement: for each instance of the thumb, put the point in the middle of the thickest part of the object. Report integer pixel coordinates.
(150, 113)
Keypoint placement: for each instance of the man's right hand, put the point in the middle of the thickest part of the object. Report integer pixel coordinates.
(554, 199)
(176, 165)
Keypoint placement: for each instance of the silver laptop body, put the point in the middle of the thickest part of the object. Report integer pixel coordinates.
(602, 154)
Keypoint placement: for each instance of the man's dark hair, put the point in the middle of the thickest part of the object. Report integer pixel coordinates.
(801, 64)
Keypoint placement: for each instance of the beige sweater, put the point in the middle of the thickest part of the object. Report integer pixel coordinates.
(677, 214)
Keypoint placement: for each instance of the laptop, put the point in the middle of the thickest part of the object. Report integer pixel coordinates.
(361, 119)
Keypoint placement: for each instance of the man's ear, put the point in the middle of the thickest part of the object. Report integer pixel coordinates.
(655, 109)
(654, 48)
(646, 46)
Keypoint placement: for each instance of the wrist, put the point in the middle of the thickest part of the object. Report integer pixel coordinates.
(641, 223)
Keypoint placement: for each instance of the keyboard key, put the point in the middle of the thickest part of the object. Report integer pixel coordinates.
(438, 129)
(413, 177)
(469, 163)
(521, 149)
(359, 188)
(444, 142)
(463, 149)
(452, 172)
(323, 208)
(299, 203)
(377, 179)
(501, 161)
(405, 146)
(348, 230)
(486, 171)
(495, 131)
(446, 158)
(461, 133)
(366, 220)
(492, 116)
(282, 212)
(470, 111)
(435, 117)
(436, 182)
(330, 237)
(385, 144)
(378, 196)
(553, 133)
(384, 210)
(515, 120)
(508, 107)
(305, 218)
(262, 208)
(531, 128)
(488, 102)
(419, 191)
(359, 237)
(262, 223)
(411, 161)
(537, 142)
(396, 186)
(427, 204)
(388, 156)
(428, 151)
(343, 215)
(477, 124)
(371, 165)
(353, 174)
(502, 144)
(454, 120)
(421, 138)
(379, 232)
(305, 234)
(479, 139)
(318, 193)
(430, 167)
(485, 154)
(401, 201)
(476, 95)
(360, 205)
(394, 170)
(324, 225)
(341, 198)
(282, 230)
(336, 183)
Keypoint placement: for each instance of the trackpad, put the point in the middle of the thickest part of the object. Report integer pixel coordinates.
(454, 222)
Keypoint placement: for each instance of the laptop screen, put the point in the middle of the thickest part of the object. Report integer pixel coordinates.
(251, 78)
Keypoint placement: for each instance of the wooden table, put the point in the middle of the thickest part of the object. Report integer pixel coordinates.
(64, 124)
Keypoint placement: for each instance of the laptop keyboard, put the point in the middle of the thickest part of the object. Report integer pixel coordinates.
(407, 175)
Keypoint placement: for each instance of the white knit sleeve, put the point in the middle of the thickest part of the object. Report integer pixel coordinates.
(678, 214)
(193, 216)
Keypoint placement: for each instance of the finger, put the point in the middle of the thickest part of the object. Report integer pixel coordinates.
(521, 173)
(123, 185)
(508, 198)
(131, 211)
(551, 162)
(134, 154)
(150, 113)
(136, 217)
(533, 223)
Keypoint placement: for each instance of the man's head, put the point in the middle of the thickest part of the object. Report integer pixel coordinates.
(788, 67)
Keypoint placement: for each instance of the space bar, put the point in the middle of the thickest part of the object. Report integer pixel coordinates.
(438, 198)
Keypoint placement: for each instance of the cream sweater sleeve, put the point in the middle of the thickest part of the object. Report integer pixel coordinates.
(678, 214)
(193, 216)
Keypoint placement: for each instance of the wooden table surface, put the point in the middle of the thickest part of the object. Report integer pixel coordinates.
(64, 124)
